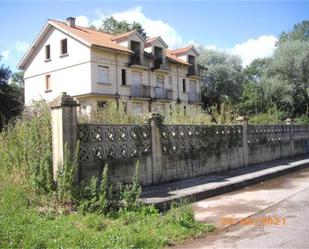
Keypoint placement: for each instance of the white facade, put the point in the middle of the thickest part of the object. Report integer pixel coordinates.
(95, 73)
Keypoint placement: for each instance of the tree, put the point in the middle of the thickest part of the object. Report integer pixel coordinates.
(300, 32)
(253, 100)
(10, 102)
(112, 26)
(287, 78)
(223, 80)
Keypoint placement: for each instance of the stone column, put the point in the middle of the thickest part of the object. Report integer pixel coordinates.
(156, 121)
(242, 120)
(64, 128)
(289, 122)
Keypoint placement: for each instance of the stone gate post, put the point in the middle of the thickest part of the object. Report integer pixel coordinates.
(64, 128)
(242, 120)
(156, 121)
(289, 122)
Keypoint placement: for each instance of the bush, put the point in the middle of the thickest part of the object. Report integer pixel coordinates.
(25, 147)
(187, 115)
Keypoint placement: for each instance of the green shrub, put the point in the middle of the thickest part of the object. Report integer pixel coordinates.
(302, 120)
(186, 114)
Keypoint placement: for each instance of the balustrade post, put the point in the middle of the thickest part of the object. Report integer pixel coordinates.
(64, 128)
(289, 122)
(156, 121)
(242, 120)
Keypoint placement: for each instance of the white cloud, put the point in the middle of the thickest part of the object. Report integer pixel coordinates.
(22, 46)
(5, 54)
(251, 49)
(153, 27)
(82, 21)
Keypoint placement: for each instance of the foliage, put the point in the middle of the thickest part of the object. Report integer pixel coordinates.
(112, 26)
(11, 96)
(300, 32)
(67, 176)
(23, 226)
(131, 194)
(302, 120)
(224, 79)
(271, 116)
(25, 147)
(112, 113)
(186, 114)
(287, 78)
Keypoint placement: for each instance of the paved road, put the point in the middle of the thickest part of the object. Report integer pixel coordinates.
(290, 212)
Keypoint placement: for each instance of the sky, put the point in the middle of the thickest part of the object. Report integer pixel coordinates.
(245, 28)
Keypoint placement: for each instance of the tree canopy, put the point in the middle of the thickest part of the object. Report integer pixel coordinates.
(223, 81)
(112, 26)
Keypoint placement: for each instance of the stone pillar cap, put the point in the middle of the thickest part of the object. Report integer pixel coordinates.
(242, 118)
(64, 100)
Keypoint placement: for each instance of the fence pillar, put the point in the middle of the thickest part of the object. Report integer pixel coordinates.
(242, 120)
(64, 128)
(289, 122)
(156, 121)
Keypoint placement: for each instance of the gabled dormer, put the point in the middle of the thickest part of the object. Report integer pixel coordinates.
(190, 55)
(134, 41)
(157, 48)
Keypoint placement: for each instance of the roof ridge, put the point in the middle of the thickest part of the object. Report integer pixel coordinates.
(78, 26)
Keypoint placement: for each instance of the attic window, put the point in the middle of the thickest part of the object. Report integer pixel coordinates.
(64, 47)
(47, 52)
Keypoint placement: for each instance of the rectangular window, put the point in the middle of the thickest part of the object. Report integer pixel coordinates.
(170, 82)
(184, 85)
(64, 46)
(47, 83)
(47, 52)
(103, 74)
(123, 77)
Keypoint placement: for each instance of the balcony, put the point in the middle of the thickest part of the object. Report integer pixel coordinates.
(194, 97)
(140, 91)
(160, 64)
(193, 71)
(135, 59)
(162, 93)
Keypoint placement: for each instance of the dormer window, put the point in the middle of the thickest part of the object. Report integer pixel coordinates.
(136, 57)
(47, 52)
(158, 54)
(64, 46)
(191, 59)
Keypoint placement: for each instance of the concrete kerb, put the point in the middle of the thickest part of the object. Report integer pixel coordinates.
(164, 205)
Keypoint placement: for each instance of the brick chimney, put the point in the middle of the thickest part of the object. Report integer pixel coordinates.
(70, 21)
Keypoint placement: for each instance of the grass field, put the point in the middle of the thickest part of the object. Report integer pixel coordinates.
(30, 221)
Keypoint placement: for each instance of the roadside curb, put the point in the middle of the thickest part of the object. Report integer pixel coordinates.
(165, 203)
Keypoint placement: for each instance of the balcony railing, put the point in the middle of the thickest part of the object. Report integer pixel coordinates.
(194, 97)
(159, 63)
(140, 91)
(162, 93)
(193, 71)
(135, 59)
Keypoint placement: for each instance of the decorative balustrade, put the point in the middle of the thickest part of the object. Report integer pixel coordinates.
(186, 138)
(267, 134)
(300, 132)
(113, 142)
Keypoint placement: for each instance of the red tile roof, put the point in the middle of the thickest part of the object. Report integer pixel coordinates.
(90, 36)
(150, 40)
(182, 50)
(175, 59)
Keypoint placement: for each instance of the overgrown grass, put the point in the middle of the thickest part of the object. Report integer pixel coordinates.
(25, 224)
(35, 212)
